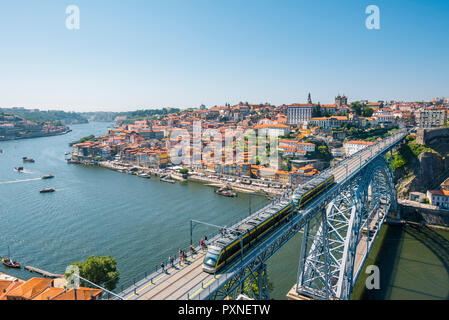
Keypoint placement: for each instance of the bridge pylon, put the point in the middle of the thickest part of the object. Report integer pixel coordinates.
(251, 282)
(337, 240)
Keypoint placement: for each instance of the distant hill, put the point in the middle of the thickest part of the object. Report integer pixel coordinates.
(50, 116)
(132, 115)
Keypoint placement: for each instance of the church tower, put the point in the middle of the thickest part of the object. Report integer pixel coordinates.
(309, 99)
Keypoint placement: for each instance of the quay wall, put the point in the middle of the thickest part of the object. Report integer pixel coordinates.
(428, 136)
(421, 213)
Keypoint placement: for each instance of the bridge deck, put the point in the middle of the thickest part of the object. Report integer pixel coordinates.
(187, 280)
(175, 283)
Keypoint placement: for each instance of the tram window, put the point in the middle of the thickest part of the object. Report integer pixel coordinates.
(211, 259)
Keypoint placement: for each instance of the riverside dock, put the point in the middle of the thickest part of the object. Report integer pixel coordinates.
(43, 272)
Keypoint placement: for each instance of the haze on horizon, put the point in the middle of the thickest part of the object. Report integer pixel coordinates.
(176, 53)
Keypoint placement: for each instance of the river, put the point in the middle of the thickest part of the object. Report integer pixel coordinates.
(140, 222)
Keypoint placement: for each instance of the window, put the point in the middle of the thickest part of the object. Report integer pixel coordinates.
(211, 259)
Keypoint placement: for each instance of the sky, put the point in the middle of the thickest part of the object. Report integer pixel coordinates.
(144, 54)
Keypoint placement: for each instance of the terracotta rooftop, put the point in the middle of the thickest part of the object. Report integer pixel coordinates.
(81, 294)
(49, 294)
(29, 289)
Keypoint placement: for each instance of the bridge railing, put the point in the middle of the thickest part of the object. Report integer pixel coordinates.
(132, 285)
(224, 278)
(140, 280)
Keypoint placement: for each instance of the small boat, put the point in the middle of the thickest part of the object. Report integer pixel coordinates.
(227, 192)
(10, 263)
(67, 153)
(47, 190)
(18, 169)
(47, 176)
(167, 179)
(144, 175)
(25, 159)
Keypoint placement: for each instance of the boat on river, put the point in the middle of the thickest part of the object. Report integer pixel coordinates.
(26, 159)
(227, 192)
(167, 178)
(47, 176)
(9, 262)
(47, 190)
(18, 169)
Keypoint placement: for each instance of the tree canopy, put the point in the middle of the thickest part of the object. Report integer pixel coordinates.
(357, 107)
(101, 270)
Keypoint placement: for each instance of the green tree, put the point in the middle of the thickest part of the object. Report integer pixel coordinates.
(368, 112)
(357, 107)
(184, 171)
(101, 270)
(316, 111)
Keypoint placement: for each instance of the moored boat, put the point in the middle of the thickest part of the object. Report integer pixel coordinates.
(227, 192)
(167, 180)
(144, 175)
(10, 263)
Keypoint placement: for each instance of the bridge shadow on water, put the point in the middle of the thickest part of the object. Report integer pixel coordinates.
(434, 242)
(386, 254)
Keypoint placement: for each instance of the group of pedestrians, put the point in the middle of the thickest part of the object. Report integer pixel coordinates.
(183, 255)
(203, 243)
(170, 262)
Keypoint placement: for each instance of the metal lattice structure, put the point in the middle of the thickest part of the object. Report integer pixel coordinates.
(339, 227)
(337, 241)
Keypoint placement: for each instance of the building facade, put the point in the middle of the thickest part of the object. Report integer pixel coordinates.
(430, 118)
(354, 146)
(299, 114)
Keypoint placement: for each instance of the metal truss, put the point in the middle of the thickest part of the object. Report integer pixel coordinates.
(332, 226)
(332, 238)
(252, 270)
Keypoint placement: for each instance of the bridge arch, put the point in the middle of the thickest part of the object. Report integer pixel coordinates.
(337, 241)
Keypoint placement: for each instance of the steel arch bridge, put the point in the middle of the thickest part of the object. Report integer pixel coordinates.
(338, 235)
(339, 228)
(337, 240)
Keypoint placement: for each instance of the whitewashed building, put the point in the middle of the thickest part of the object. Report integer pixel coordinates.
(355, 146)
(439, 198)
(299, 114)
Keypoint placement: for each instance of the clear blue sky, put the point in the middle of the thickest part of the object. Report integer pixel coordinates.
(182, 53)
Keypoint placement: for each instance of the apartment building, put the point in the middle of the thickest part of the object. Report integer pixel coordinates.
(432, 117)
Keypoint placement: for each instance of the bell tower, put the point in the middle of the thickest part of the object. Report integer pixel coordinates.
(309, 99)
